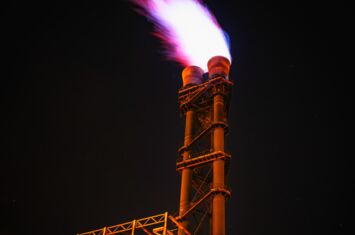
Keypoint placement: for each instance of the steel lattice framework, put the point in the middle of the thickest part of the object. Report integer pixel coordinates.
(202, 163)
(161, 224)
(199, 153)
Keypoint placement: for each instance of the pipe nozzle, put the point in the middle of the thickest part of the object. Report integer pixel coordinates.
(218, 66)
(192, 75)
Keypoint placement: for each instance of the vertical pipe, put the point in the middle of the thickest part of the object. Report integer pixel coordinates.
(218, 66)
(191, 75)
(165, 223)
(186, 174)
(133, 227)
(218, 203)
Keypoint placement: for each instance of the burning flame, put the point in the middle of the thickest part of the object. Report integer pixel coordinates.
(188, 29)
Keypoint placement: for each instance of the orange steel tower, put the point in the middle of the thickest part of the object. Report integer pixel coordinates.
(202, 162)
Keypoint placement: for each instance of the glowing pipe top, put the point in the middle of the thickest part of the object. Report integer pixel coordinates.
(188, 29)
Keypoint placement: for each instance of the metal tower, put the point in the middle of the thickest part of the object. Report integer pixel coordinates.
(202, 161)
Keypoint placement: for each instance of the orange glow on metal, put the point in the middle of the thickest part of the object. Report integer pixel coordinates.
(161, 224)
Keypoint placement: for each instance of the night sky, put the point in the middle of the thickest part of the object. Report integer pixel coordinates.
(90, 124)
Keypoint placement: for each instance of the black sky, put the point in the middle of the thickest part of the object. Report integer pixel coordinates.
(90, 124)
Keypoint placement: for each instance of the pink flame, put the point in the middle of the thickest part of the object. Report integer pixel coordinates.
(188, 29)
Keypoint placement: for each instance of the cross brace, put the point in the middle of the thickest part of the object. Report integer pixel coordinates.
(201, 160)
(201, 134)
(213, 191)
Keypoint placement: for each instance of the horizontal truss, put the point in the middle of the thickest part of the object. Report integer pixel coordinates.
(153, 225)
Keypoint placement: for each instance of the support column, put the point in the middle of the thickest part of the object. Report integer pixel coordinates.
(186, 174)
(218, 203)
